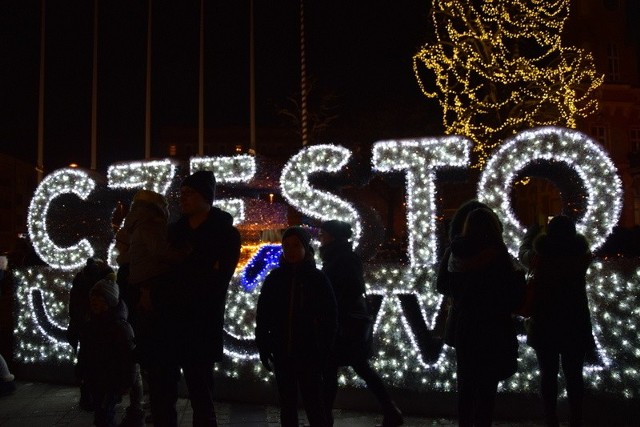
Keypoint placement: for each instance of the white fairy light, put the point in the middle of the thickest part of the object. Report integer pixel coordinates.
(42, 292)
(318, 204)
(551, 144)
(62, 181)
(34, 344)
(153, 175)
(228, 170)
(419, 159)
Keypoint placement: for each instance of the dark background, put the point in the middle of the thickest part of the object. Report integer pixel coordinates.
(359, 52)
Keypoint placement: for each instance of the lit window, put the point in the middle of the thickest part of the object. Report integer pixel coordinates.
(600, 134)
(173, 150)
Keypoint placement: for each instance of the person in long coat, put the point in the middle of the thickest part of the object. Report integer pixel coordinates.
(486, 288)
(295, 328)
(353, 345)
(560, 323)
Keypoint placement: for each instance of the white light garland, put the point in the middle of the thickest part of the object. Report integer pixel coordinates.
(613, 292)
(318, 204)
(62, 181)
(153, 175)
(228, 170)
(34, 342)
(551, 144)
(419, 159)
(410, 307)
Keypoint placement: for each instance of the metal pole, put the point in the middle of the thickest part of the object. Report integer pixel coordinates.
(147, 110)
(201, 85)
(94, 90)
(40, 154)
(303, 81)
(252, 81)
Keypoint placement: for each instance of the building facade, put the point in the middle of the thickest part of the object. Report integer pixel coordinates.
(610, 30)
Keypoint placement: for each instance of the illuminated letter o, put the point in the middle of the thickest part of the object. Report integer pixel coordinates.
(554, 145)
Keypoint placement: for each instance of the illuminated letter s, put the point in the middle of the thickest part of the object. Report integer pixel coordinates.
(318, 204)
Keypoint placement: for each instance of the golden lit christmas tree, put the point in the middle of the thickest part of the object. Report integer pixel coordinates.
(499, 67)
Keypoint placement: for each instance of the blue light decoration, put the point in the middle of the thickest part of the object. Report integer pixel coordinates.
(410, 355)
(266, 259)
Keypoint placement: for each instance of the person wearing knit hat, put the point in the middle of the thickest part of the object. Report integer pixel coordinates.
(107, 289)
(106, 358)
(338, 230)
(187, 328)
(295, 328)
(204, 183)
(353, 345)
(303, 237)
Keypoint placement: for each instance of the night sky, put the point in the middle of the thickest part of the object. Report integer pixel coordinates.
(359, 51)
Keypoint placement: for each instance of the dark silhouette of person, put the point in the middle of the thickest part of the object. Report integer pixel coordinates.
(560, 324)
(455, 229)
(94, 270)
(145, 259)
(106, 358)
(188, 310)
(479, 274)
(353, 346)
(295, 328)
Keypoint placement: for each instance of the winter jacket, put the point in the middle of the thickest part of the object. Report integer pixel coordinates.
(106, 357)
(560, 310)
(149, 253)
(296, 314)
(194, 299)
(343, 267)
(486, 288)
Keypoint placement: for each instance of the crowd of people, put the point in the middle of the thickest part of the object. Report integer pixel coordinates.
(162, 314)
(487, 289)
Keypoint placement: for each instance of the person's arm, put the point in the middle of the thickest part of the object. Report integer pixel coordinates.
(230, 255)
(526, 251)
(157, 241)
(327, 316)
(123, 239)
(262, 331)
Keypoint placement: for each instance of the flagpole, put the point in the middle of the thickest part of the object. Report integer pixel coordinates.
(201, 85)
(303, 80)
(94, 90)
(147, 109)
(252, 81)
(40, 137)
